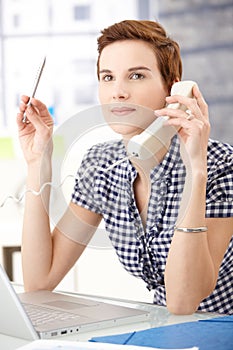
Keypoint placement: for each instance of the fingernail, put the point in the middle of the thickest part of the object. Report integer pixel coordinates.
(156, 113)
(29, 109)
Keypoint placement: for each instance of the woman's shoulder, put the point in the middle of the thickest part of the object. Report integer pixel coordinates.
(220, 180)
(220, 162)
(108, 150)
(219, 152)
(108, 147)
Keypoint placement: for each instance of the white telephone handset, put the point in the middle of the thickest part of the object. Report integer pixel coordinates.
(157, 135)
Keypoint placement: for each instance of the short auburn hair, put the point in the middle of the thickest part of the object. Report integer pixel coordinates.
(167, 51)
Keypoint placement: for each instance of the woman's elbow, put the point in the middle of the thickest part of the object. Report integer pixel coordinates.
(181, 308)
(32, 285)
(182, 304)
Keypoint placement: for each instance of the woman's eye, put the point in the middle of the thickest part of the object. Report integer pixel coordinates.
(107, 78)
(136, 76)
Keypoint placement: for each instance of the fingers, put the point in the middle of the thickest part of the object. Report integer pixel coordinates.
(39, 116)
(196, 106)
(200, 101)
(23, 103)
(22, 108)
(172, 113)
(19, 119)
(36, 112)
(25, 99)
(40, 106)
(186, 103)
(194, 120)
(34, 102)
(190, 115)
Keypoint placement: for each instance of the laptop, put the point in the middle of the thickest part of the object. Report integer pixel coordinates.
(45, 314)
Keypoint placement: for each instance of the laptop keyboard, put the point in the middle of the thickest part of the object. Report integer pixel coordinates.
(40, 315)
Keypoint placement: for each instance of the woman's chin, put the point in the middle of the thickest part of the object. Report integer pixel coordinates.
(127, 131)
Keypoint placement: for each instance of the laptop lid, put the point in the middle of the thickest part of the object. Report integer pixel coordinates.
(13, 319)
(77, 314)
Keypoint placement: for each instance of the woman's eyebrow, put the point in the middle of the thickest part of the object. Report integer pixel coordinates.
(139, 68)
(105, 71)
(130, 69)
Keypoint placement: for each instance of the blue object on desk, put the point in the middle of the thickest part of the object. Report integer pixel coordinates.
(211, 334)
(220, 319)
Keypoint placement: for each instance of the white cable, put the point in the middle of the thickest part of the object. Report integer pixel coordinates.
(118, 162)
(37, 193)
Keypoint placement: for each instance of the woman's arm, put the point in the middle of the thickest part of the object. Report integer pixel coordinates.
(47, 257)
(194, 258)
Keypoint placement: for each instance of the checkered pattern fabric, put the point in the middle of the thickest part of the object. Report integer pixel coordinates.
(143, 251)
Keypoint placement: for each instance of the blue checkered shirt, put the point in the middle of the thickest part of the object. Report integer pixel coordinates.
(143, 251)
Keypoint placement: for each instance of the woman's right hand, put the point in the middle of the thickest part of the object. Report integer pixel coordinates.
(35, 134)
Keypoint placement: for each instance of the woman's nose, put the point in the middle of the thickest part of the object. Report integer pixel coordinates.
(120, 92)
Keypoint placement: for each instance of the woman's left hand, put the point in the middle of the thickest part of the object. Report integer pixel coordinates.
(193, 126)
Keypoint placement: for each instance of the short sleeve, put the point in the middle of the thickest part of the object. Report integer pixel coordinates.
(83, 192)
(92, 171)
(219, 195)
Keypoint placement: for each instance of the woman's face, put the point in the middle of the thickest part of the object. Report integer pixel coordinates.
(129, 76)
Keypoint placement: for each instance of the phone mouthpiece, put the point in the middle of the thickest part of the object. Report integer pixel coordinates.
(150, 141)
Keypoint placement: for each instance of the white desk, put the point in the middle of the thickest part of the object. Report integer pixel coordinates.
(159, 316)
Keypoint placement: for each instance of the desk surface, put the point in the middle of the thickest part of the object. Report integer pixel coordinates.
(159, 316)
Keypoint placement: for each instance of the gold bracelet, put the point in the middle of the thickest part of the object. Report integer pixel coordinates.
(191, 229)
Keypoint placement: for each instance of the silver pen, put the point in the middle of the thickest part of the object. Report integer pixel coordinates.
(36, 83)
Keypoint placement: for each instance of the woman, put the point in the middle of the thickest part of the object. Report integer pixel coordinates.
(184, 255)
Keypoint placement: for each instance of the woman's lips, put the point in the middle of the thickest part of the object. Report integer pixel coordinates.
(121, 111)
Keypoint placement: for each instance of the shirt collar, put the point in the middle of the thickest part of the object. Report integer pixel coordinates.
(171, 160)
